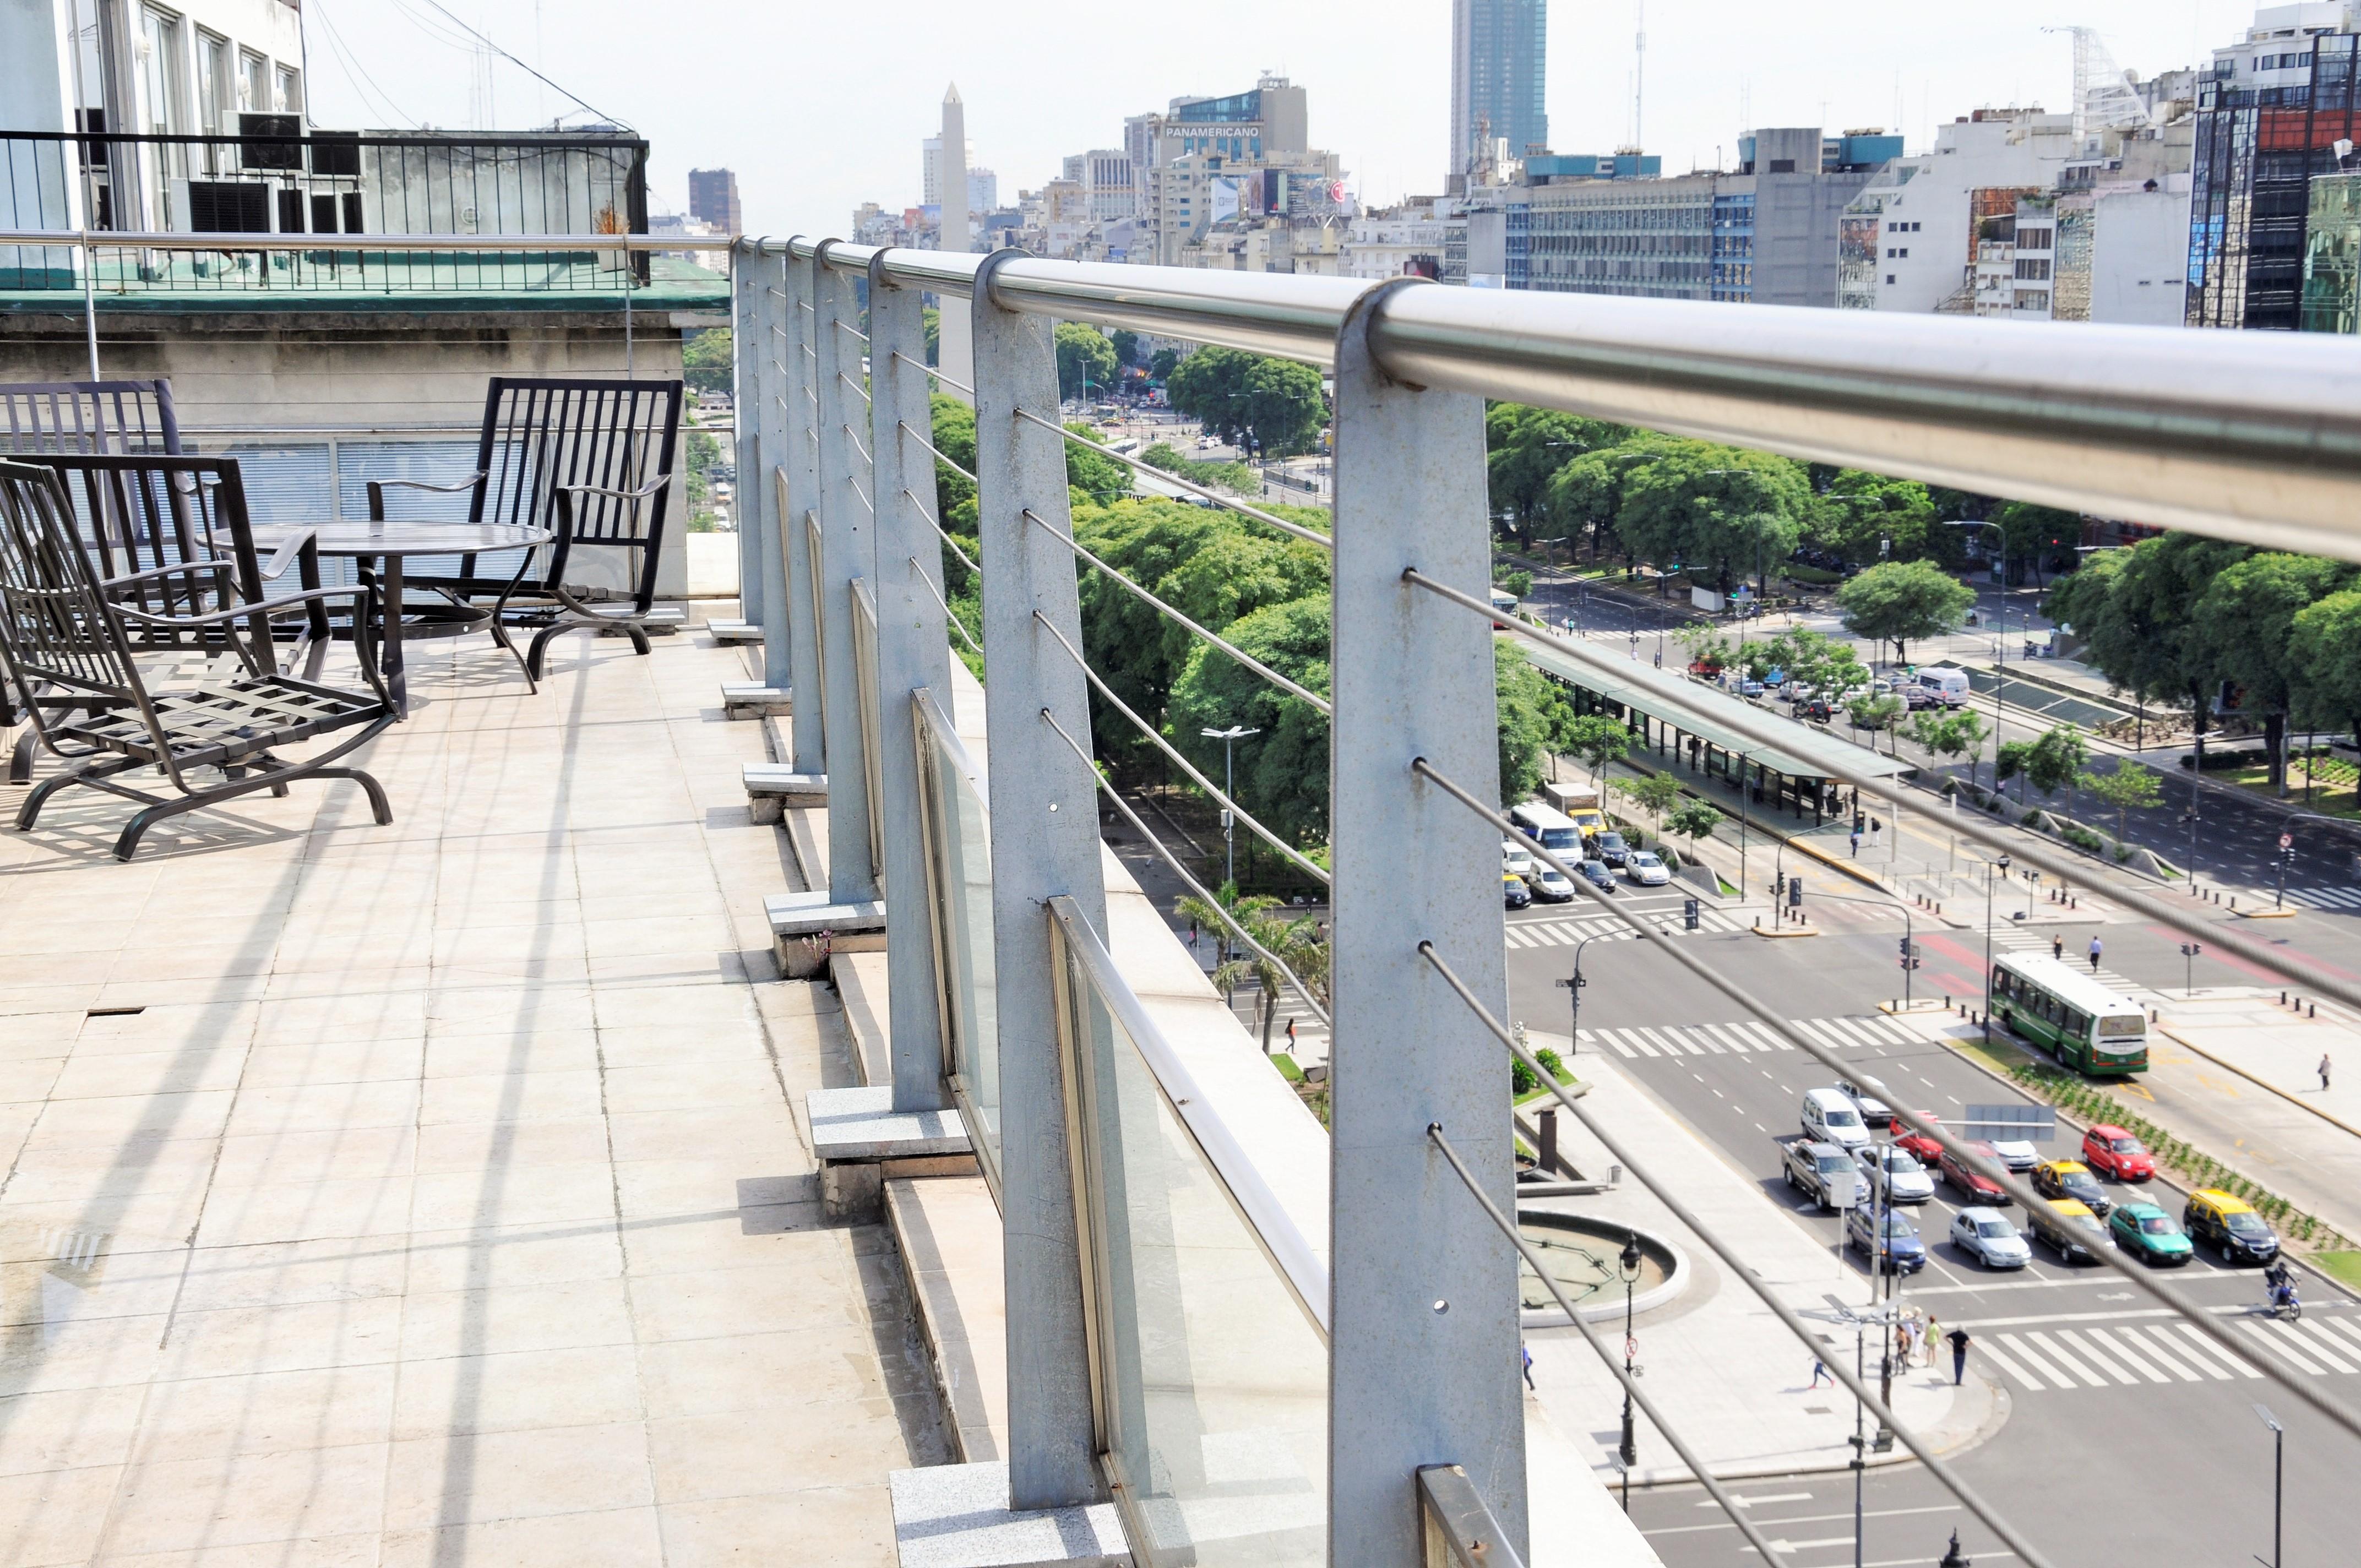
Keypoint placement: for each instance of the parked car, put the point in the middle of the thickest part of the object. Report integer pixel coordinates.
(2111, 1151)
(1646, 870)
(1900, 1251)
(1750, 689)
(1515, 859)
(2147, 1231)
(2072, 1229)
(1864, 1093)
(1611, 848)
(2231, 1224)
(1831, 1117)
(1918, 1146)
(1916, 697)
(1549, 886)
(1816, 710)
(1823, 1171)
(1896, 1173)
(1986, 1235)
(1514, 893)
(1972, 1185)
(1595, 873)
(2017, 1154)
(2071, 1178)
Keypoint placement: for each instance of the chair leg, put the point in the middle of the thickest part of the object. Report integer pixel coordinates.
(20, 757)
(378, 806)
(536, 660)
(639, 638)
(31, 809)
(501, 635)
(129, 844)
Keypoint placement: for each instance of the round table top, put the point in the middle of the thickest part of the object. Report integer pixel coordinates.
(360, 537)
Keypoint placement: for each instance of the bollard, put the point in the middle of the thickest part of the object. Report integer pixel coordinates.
(2313, 1012)
(2283, 1001)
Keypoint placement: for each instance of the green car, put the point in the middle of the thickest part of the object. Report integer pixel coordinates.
(2148, 1231)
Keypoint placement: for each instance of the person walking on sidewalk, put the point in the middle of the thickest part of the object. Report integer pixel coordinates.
(1820, 1373)
(1960, 1343)
(2323, 1072)
(2058, 949)
(1527, 1355)
(1290, 1036)
(2095, 950)
(1856, 843)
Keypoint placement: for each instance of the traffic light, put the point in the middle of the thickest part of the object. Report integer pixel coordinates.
(1909, 954)
(1689, 914)
(1795, 893)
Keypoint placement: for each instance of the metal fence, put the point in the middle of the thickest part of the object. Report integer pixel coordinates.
(333, 186)
(1246, 1390)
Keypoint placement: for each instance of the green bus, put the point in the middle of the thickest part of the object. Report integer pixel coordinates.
(2081, 1023)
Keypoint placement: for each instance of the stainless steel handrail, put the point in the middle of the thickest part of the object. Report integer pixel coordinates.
(120, 239)
(2249, 436)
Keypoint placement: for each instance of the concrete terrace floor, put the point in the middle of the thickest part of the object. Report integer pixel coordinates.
(436, 1193)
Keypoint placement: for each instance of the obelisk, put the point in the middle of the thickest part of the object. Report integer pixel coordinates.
(955, 346)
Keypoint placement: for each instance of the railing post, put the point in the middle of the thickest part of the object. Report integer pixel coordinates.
(796, 457)
(759, 494)
(1424, 1329)
(848, 554)
(750, 339)
(912, 654)
(1045, 843)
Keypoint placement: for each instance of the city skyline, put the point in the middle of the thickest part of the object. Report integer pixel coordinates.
(1381, 94)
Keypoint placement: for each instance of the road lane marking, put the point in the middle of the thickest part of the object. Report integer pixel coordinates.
(2067, 1359)
(2103, 1353)
(2344, 1326)
(2157, 1348)
(2313, 1335)
(1992, 1354)
(2032, 1358)
(2279, 1346)
(2202, 1348)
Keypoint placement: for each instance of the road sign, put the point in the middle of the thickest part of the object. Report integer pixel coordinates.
(2033, 1124)
(2286, 840)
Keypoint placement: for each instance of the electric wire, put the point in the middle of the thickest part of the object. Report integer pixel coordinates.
(1972, 1500)
(1706, 1478)
(1087, 444)
(1764, 730)
(1232, 649)
(1674, 949)
(528, 69)
(1196, 887)
(1273, 840)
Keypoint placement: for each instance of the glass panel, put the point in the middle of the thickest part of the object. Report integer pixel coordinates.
(812, 558)
(1212, 1383)
(959, 861)
(864, 675)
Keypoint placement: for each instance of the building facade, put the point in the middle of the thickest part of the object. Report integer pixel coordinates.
(1499, 75)
(713, 196)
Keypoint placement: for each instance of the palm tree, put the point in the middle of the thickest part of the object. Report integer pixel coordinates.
(1296, 943)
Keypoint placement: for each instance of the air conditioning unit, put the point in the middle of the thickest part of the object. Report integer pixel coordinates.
(270, 141)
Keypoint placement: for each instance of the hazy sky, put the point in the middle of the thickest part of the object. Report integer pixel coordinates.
(820, 108)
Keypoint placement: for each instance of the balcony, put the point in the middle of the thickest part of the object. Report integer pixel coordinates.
(748, 1103)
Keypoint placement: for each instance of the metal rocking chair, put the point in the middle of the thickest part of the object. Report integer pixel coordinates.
(63, 624)
(590, 460)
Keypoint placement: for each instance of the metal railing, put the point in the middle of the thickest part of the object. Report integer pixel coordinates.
(334, 189)
(1103, 1143)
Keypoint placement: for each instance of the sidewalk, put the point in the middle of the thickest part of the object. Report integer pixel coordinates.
(1734, 1379)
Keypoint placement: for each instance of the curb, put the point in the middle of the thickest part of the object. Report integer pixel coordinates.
(2291, 1098)
(1786, 933)
(2263, 914)
(1996, 1417)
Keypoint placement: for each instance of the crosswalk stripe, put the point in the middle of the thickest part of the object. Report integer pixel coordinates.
(2344, 1326)
(2032, 1358)
(2323, 1345)
(1674, 1042)
(1771, 1038)
(1731, 1036)
(1716, 1046)
(1992, 1354)
(1849, 1032)
(2105, 1354)
(1646, 1048)
(2161, 1353)
(2281, 1345)
(2200, 1349)
(2066, 1359)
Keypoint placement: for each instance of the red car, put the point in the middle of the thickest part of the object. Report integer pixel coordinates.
(1921, 1147)
(2111, 1151)
(1971, 1185)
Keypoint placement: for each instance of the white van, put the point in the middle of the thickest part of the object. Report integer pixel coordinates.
(1952, 685)
(1830, 1117)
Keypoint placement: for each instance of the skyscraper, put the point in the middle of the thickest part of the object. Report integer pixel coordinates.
(1499, 71)
(713, 196)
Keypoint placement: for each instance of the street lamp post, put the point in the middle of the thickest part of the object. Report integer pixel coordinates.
(1989, 866)
(1573, 988)
(1627, 1266)
(2278, 1474)
(2189, 951)
(1229, 738)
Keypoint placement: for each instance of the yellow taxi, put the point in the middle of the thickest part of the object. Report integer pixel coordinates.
(2071, 1178)
(2231, 1224)
(2070, 1228)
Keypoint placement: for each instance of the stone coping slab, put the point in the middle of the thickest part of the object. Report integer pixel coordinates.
(861, 1124)
(957, 1515)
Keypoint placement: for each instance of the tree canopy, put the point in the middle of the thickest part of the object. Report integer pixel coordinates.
(1864, 517)
(1086, 360)
(1903, 602)
(1275, 403)
(1722, 507)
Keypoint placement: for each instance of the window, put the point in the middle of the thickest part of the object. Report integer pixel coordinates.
(1889, 279)
(214, 87)
(291, 90)
(253, 82)
(159, 70)
(1905, 253)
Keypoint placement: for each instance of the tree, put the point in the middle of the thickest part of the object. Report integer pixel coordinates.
(2127, 787)
(954, 437)
(1697, 503)
(1903, 602)
(1283, 774)
(1951, 735)
(1866, 517)
(1099, 479)
(2328, 651)
(1529, 715)
(2012, 761)
(1597, 740)
(1161, 364)
(931, 322)
(1527, 447)
(1694, 820)
(2136, 611)
(2054, 761)
(1085, 359)
(1297, 943)
(1127, 346)
(1249, 398)
(1652, 793)
(1874, 710)
(2037, 533)
(2248, 617)
(706, 360)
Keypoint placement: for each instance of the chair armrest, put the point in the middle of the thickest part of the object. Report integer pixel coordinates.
(196, 564)
(650, 487)
(377, 488)
(242, 611)
(289, 551)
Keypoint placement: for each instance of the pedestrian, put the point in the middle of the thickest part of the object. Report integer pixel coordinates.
(1820, 1372)
(1960, 1343)
(1527, 1353)
(2095, 950)
(1928, 1333)
(1290, 1036)
(2323, 1072)
(2058, 949)
(1856, 843)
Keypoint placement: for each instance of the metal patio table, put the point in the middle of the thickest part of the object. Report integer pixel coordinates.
(379, 549)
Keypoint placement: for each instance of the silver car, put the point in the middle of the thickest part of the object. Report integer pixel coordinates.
(1895, 1173)
(1986, 1235)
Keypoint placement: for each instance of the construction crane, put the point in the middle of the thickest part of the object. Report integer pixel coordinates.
(2104, 100)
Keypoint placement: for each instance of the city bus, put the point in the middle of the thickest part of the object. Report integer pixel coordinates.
(1550, 828)
(2085, 1026)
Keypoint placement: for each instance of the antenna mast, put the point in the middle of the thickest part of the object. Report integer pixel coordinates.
(1639, 75)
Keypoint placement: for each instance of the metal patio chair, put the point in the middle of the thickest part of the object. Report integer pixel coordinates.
(61, 624)
(590, 460)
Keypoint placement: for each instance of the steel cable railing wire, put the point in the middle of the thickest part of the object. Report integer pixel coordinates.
(947, 536)
(857, 490)
(930, 447)
(1706, 1478)
(1674, 950)
(856, 387)
(854, 436)
(1196, 887)
(1099, 685)
(945, 380)
(1741, 718)
(1232, 649)
(848, 326)
(1086, 443)
(949, 614)
(1787, 1316)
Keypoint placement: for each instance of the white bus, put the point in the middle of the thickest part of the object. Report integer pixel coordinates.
(2084, 1024)
(1550, 827)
